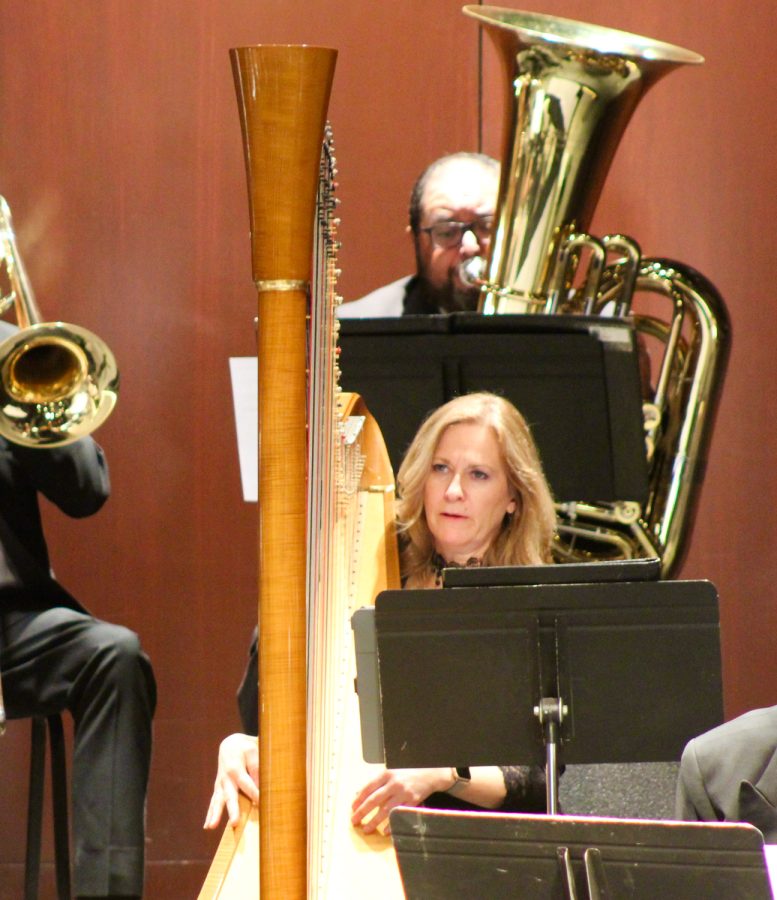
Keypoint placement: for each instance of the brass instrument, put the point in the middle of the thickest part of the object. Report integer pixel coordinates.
(58, 382)
(571, 89)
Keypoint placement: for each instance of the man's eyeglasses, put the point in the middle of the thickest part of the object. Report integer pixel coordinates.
(449, 235)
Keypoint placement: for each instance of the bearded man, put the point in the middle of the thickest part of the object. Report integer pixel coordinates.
(451, 218)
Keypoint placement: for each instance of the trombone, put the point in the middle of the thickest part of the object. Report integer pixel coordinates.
(58, 382)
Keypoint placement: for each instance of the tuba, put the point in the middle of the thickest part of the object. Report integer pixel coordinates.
(571, 89)
(58, 382)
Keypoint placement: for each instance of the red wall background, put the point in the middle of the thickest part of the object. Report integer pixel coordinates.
(120, 155)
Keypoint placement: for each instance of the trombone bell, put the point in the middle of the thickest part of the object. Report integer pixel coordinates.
(58, 382)
(43, 370)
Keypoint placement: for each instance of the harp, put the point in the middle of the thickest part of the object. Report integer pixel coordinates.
(325, 486)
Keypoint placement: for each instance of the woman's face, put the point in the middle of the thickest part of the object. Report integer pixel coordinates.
(467, 493)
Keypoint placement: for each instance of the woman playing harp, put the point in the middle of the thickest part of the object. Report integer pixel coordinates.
(472, 492)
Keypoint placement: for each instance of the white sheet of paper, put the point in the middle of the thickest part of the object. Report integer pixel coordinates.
(244, 371)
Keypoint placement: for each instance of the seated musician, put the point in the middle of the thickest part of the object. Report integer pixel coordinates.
(472, 492)
(729, 774)
(451, 212)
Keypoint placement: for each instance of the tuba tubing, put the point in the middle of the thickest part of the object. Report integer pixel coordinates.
(570, 91)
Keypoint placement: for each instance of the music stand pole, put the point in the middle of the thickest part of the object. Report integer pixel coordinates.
(551, 712)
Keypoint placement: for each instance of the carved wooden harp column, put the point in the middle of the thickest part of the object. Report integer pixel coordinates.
(283, 95)
(327, 540)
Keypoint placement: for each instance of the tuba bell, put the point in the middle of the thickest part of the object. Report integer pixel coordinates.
(571, 89)
(58, 382)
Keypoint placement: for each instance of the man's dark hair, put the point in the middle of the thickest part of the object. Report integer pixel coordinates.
(417, 193)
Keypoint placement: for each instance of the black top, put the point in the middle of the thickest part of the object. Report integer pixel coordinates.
(525, 793)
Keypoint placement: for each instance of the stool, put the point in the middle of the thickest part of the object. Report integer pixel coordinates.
(35, 806)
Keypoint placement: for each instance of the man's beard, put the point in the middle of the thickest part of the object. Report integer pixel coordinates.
(451, 297)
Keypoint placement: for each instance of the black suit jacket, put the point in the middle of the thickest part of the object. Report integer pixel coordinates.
(74, 478)
(729, 774)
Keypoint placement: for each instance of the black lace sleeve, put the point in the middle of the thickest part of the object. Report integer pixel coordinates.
(525, 787)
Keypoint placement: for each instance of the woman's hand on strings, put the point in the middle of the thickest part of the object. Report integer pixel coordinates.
(395, 787)
(238, 771)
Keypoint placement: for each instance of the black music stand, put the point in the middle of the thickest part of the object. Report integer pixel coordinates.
(445, 856)
(619, 671)
(575, 379)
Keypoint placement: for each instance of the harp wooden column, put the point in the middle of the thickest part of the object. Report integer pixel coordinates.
(283, 94)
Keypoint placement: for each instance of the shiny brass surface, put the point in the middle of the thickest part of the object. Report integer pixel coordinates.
(58, 382)
(570, 91)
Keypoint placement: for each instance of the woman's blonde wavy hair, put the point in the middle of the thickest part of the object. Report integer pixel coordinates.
(526, 535)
